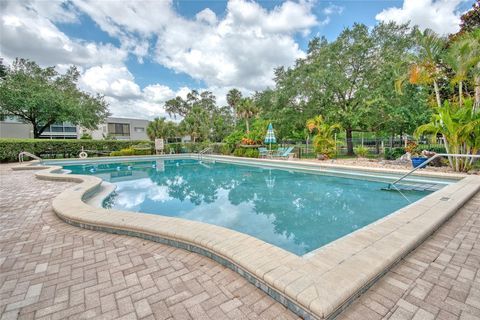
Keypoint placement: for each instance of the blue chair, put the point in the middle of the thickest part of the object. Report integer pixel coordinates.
(263, 152)
(284, 153)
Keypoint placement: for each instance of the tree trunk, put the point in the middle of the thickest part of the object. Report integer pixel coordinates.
(437, 93)
(460, 93)
(248, 127)
(476, 104)
(349, 142)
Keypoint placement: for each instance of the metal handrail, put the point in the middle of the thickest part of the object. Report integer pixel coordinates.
(430, 160)
(202, 152)
(28, 154)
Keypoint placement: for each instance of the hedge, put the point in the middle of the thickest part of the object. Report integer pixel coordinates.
(54, 148)
(59, 148)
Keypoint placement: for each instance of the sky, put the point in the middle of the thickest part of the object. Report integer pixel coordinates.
(139, 54)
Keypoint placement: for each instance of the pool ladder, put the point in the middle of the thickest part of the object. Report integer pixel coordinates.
(393, 184)
(22, 155)
(203, 152)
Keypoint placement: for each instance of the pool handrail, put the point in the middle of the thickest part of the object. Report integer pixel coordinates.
(22, 154)
(423, 164)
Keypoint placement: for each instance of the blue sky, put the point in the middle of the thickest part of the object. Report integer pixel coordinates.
(141, 53)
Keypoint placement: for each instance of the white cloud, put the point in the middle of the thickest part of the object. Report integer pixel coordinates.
(442, 16)
(27, 33)
(125, 97)
(110, 80)
(333, 9)
(239, 49)
(207, 16)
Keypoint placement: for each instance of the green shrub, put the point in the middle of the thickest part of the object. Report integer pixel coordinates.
(393, 153)
(361, 151)
(239, 152)
(246, 152)
(251, 153)
(124, 152)
(55, 148)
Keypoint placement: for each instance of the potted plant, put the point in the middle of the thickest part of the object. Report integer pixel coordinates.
(415, 154)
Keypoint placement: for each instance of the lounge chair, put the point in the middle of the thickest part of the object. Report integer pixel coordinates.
(263, 152)
(284, 153)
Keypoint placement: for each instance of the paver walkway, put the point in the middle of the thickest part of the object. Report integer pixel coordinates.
(439, 280)
(51, 270)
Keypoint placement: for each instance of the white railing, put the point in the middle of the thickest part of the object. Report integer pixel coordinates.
(22, 155)
(471, 156)
(204, 151)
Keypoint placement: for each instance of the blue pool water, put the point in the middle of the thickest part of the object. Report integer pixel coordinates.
(293, 210)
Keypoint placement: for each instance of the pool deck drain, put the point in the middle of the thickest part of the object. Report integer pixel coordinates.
(317, 285)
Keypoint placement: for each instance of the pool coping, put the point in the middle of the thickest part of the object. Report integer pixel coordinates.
(317, 285)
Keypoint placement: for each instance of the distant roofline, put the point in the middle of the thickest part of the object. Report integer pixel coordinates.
(124, 118)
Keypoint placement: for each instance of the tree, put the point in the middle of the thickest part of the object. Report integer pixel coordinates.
(234, 96)
(323, 140)
(470, 21)
(246, 110)
(460, 129)
(160, 128)
(425, 70)
(3, 69)
(42, 96)
(462, 55)
(345, 70)
(196, 123)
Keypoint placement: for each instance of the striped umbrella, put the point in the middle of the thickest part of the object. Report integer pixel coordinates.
(270, 138)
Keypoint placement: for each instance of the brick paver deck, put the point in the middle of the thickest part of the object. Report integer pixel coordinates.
(51, 270)
(439, 280)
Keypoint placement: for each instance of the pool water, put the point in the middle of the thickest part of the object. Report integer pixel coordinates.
(296, 211)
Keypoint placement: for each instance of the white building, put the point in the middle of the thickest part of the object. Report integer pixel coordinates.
(120, 129)
(11, 127)
(114, 128)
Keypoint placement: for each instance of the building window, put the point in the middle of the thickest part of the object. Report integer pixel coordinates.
(119, 129)
(139, 129)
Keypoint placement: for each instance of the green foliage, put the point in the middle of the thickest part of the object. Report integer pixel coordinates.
(393, 153)
(460, 129)
(246, 109)
(246, 152)
(42, 96)
(361, 151)
(232, 140)
(258, 131)
(202, 119)
(160, 128)
(51, 148)
(86, 136)
(323, 141)
(132, 151)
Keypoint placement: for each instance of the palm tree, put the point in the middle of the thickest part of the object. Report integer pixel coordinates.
(234, 96)
(246, 109)
(425, 69)
(460, 129)
(160, 128)
(462, 56)
(323, 141)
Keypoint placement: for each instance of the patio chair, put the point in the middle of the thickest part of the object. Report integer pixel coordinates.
(263, 152)
(284, 153)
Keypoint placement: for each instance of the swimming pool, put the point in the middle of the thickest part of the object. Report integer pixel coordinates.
(296, 211)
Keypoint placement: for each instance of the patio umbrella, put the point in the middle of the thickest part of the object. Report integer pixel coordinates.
(270, 137)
